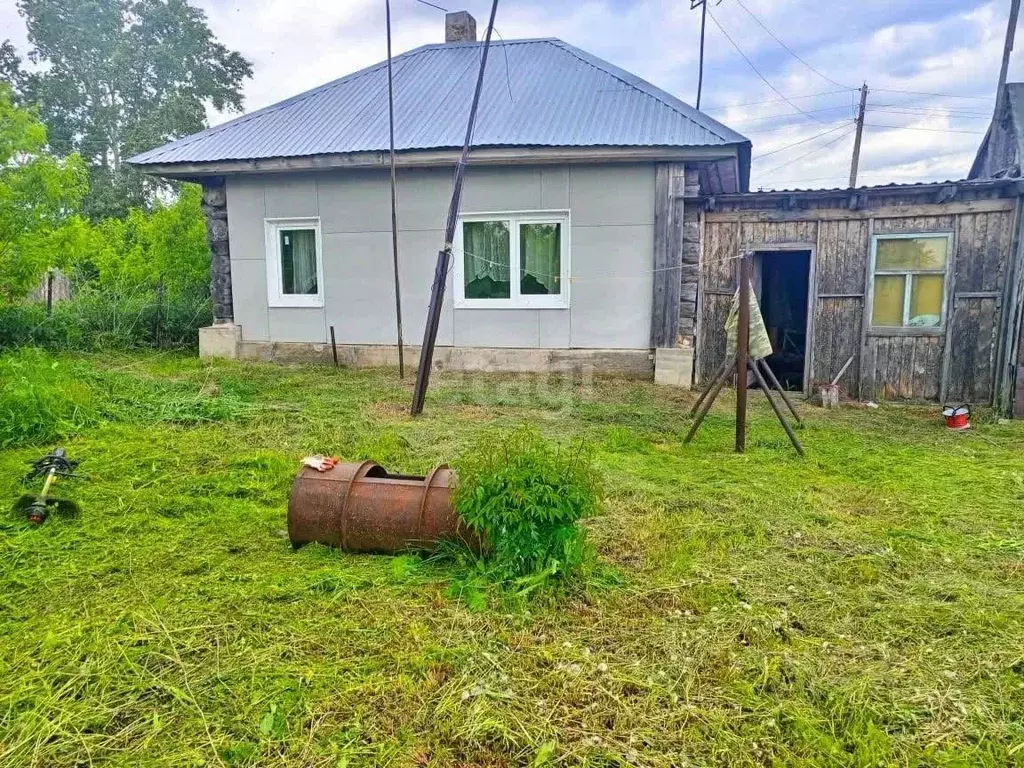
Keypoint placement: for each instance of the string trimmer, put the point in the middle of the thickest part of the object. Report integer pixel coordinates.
(37, 507)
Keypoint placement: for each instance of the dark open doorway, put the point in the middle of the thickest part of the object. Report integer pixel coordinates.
(782, 279)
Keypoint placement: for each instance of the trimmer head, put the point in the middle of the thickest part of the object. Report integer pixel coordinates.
(37, 510)
(37, 507)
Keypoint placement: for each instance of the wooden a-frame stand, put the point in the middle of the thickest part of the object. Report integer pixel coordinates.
(739, 365)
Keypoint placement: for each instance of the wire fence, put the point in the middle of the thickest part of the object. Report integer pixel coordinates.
(90, 317)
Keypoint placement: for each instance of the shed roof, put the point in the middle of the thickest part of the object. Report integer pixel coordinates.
(1005, 131)
(536, 93)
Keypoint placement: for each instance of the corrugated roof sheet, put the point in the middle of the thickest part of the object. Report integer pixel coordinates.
(893, 186)
(537, 93)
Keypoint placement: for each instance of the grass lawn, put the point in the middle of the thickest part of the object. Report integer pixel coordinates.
(862, 607)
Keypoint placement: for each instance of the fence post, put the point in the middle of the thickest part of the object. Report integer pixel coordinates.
(158, 321)
(49, 291)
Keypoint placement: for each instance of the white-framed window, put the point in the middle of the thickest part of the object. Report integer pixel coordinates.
(295, 264)
(512, 260)
(909, 280)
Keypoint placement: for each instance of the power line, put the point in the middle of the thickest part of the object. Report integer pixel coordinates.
(915, 128)
(808, 154)
(777, 128)
(925, 93)
(776, 101)
(756, 70)
(844, 124)
(778, 116)
(793, 53)
(952, 110)
(433, 6)
(934, 113)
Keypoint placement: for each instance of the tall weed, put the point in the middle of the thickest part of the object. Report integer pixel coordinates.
(526, 498)
(41, 399)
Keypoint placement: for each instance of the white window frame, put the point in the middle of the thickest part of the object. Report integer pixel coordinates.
(516, 300)
(276, 297)
(908, 275)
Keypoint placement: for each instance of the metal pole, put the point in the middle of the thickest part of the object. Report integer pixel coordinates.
(700, 69)
(742, 354)
(394, 198)
(445, 254)
(855, 164)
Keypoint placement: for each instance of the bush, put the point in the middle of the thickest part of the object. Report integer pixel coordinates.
(526, 498)
(105, 319)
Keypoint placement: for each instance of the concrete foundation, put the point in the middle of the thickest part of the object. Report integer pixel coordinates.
(674, 367)
(628, 363)
(220, 341)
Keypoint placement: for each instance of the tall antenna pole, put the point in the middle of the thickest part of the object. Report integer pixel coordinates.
(394, 197)
(445, 254)
(855, 165)
(703, 27)
(1011, 33)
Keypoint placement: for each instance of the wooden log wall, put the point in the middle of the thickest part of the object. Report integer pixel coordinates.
(676, 255)
(956, 363)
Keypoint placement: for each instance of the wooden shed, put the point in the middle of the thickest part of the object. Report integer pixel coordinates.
(919, 284)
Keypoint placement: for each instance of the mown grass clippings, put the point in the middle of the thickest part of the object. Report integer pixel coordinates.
(860, 607)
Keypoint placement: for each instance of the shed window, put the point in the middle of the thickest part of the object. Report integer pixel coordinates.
(909, 281)
(512, 260)
(294, 263)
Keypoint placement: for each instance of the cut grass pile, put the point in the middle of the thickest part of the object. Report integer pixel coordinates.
(861, 607)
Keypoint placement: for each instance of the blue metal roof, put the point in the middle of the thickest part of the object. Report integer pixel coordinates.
(537, 93)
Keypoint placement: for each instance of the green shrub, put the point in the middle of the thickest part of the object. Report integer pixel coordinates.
(526, 498)
(108, 319)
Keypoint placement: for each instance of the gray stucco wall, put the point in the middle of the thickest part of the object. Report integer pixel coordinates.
(612, 216)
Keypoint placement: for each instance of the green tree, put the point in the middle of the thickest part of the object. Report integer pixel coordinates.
(165, 246)
(122, 76)
(37, 193)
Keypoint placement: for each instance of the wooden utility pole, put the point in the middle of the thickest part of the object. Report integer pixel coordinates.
(394, 201)
(703, 27)
(741, 365)
(1011, 33)
(855, 165)
(742, 354)
(444, 256)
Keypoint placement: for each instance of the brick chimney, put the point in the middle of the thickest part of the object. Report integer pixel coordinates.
(459, 27)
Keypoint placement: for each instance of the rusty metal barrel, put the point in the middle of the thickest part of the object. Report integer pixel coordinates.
(362, 508)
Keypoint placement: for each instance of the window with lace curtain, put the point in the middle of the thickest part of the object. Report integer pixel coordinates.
(518, 260)
(294, 263)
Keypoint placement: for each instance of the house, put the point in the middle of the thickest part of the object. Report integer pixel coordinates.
(920, 285)
(578, 238)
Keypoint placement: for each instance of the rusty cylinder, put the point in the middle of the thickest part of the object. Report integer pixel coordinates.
(362, 508)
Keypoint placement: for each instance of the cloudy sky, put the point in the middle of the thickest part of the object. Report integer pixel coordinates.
(931, 66)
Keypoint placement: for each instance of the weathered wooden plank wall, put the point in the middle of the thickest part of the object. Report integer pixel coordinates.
(975, 314)
(887, 365)
(721, 246)
(841, 263)
(902, 368)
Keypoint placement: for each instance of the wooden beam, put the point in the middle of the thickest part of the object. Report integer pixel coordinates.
(844, 214)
